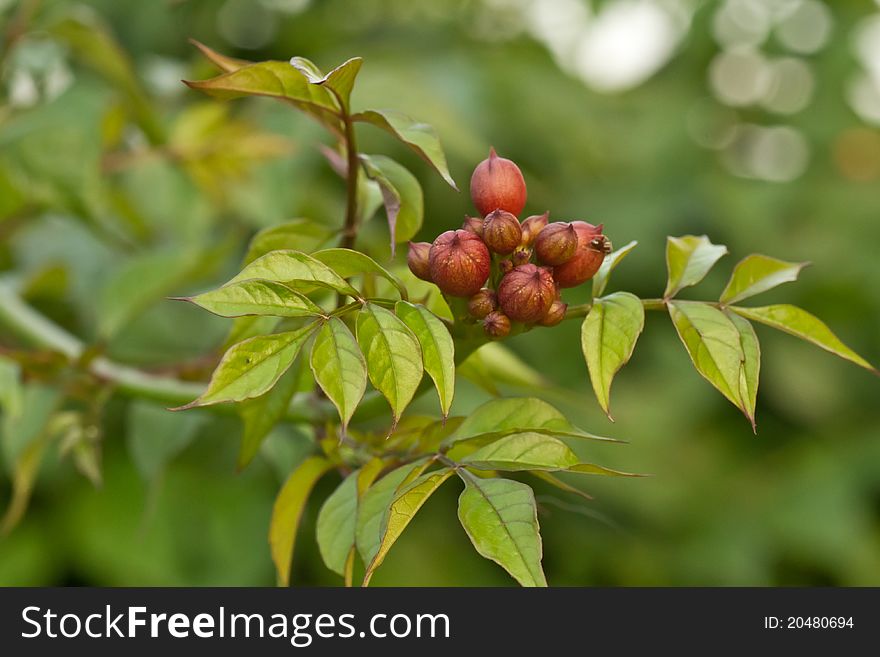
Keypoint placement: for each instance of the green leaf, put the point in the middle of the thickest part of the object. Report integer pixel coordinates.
(347, 263)
(340, 81)
(751, 365)
(516, 414)
(758, 273)
(260, 415)
(297, 235)
(155, 436)
(336, 524)
(373, 504)
(501, 519)
(224, 63)
(609, 264)
(24, 474)
(523, 451)
(593, 469)
(801, 324)
(275, 80)
(401, 511)
(714, 345)
(339, 367)
(418, 136)
(556, 482)
(401, 194)
(256, 297)
(608, 338)
(297, 270)
(393, 355)
(287, 512)
(250, 368)
(688, 260)
(438, 349)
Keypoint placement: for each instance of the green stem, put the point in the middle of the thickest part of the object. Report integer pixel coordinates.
(583, 309)
(349, 230)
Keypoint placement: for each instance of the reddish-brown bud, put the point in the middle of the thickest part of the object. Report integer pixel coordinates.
(474, 225)
(498, 184)
(417, 259)
(521, 256)
(501, 232)
(459, 263)
(591, 250)
(532, 226)
(505, 266)
(556, 243)
(526, 293)
(555, 315)
(496, 325)
(482, 303)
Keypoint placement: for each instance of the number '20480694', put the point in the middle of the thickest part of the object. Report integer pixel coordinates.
(808, 622)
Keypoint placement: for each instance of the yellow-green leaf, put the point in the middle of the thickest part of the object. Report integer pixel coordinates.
(500, 518)
(296, 270)
(417, 135)
(523, 451)
(287, 512)
(256, 297)
(608, 337)
(348, 263)
(801, 324)
(688, 260)
(401, 511)
(250, 368)
(600, 280)
(751, 365)
(296, 235)
(401, 195)
(339, 81)
(438, 348)
(758, 273)
(393, 355)
(339, 367)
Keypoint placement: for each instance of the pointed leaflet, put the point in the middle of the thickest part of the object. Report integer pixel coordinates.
(401, 194)
(556, 482)
(501, 519)
(688, 260)
(600, 280)
(374, 503)
(751, 365)
(394, 358)
(714, 345)
(758, 273)
(500, 416)
(256, 297)
(287, 512)
(401, 511)
(438, 348)
(260, 415)
(523, 451)
(339, 367)
(298, 235)
(296, 270)
(276, 80)
(337, 518)
(801, 324)
(608, 337)
(348, 263)
(250, 368)
(418, 136)
(340, 81)
(224, 63)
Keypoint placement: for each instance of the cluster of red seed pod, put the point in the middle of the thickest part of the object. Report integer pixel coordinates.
(535, 259)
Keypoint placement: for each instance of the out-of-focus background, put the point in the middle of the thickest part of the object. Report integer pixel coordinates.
(756, 122)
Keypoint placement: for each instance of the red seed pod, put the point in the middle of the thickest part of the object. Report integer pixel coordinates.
(521, 256)
(526, 293)
(592, 247)
(556, 243)
(496, 325)
(459, 263)
(555, 315)
(501, 232)
(482, 303)
(498, 184)
(532, 226)
(474, 225)
(417, 259)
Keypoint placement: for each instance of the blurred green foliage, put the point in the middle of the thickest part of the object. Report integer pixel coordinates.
(119, 187)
